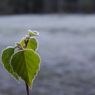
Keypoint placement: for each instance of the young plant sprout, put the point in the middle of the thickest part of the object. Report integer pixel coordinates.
(24, 62)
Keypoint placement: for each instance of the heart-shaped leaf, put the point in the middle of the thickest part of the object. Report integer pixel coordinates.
(32, 44)
(26, 64)
(6, 55)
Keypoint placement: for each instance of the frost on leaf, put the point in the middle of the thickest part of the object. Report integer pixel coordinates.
(26, 64)
(6, 56)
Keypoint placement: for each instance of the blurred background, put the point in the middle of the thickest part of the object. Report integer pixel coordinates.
(46, 6)
(66, 44)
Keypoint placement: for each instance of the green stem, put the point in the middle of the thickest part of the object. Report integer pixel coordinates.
(27, 89)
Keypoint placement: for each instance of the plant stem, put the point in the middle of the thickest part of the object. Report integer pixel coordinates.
(27, 89)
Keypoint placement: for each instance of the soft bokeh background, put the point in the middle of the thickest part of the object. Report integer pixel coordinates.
(66, 44)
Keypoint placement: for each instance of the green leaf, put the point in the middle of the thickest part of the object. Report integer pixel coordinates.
(33, 33)
(26, 64)
(32, 44)
(22, 41)
(6, 55)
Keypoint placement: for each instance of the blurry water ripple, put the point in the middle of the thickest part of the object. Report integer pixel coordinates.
(68, 58)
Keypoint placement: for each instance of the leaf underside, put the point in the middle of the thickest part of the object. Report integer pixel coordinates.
(6, 55)
(26, 64)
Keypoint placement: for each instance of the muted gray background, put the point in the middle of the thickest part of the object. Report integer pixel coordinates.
(67, 50)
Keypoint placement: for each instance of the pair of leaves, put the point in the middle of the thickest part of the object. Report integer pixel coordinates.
(32, 44)
(24, 63)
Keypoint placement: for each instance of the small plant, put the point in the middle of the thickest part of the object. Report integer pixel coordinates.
(22, 61)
